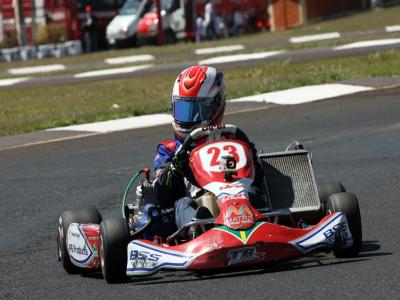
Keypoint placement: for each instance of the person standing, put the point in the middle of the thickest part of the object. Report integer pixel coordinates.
(238, 21)
(200, 30)
(209, 20)
(90, 30)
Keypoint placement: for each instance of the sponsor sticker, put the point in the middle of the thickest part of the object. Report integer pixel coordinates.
(143, 259)
(232, 186)
(325, 234)
(341, 229)
(238, 217)
(243, 255)
(240, 196)
(78, 248)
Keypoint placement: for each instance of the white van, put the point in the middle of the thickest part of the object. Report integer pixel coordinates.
(122, 29)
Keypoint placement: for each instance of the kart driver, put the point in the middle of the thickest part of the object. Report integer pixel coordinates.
(198, 99)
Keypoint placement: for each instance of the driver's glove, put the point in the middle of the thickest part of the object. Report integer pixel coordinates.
(180, 165)
(177, 170)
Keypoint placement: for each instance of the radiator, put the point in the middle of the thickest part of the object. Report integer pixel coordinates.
(290, 181)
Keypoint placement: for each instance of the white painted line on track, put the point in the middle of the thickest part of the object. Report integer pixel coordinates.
(393, 28)
(314, 37)
(120, 124)
(287, 97)
(36, 69)
(238, 57)
(12, 81)
(114, 71)
(128, 59)
(229, 48)
(372, 43)
(305, 94)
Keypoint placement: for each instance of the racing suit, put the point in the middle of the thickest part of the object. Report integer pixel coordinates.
(170, 187)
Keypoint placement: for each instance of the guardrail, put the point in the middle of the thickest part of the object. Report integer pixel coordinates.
(25, 53)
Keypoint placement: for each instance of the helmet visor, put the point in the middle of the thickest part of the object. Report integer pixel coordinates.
(188, 110)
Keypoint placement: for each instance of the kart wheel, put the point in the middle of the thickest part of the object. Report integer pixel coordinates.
(85, 215)
(329, 188)
(348, 204)
(114, 239)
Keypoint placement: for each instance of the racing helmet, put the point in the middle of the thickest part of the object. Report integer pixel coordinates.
(198, 99)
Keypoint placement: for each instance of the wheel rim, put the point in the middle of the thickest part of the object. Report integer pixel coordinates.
(59, 239)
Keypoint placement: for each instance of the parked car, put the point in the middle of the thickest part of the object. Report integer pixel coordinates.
(123, 28)
(173, 23)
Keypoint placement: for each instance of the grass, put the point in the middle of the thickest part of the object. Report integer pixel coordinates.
(372, 19)
(272, 77)
(32, 109)
(192, 57)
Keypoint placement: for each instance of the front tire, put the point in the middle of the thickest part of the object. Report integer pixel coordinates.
(348, 204)
(114, 239)
(81, 216)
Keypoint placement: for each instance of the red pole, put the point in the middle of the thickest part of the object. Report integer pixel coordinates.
(160, 34)
(71, 19)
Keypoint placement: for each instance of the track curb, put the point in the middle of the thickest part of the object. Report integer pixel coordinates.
(54, 135)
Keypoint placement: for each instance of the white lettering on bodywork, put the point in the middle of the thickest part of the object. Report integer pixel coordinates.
(78, 248)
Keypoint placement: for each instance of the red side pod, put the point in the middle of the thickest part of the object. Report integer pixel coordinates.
(92, 235)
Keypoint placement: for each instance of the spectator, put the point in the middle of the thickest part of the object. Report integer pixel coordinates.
(238, 22)
(209, 21)
(220, 27)
(200, 29)
(90, 30)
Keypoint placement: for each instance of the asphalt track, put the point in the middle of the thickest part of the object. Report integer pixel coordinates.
(287, 56)
(354, 139)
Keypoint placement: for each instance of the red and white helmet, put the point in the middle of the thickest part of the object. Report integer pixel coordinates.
(198, 99)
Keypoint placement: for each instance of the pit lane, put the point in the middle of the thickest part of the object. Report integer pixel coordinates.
(354, 139)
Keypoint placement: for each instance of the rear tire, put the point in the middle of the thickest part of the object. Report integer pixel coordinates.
(325, 190)
(114, 239)
(82, 216)
(348, 204)
(329, 188)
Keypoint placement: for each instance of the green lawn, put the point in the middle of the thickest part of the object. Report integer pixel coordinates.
(192, 57)
(31, 109)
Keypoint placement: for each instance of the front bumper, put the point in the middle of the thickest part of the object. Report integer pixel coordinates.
(222, 247)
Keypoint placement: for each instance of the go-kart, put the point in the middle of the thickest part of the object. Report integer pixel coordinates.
(290, 216)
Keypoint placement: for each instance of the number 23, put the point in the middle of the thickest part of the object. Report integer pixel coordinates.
(215, 152)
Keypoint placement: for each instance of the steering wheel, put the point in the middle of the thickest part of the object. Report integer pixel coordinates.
(199, 133)
(225, 130)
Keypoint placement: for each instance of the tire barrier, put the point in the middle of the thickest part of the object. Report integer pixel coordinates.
(25, 53)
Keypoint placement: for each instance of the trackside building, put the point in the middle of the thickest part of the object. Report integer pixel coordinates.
(290, 13)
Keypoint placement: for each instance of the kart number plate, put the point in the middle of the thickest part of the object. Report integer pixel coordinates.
(211, 155)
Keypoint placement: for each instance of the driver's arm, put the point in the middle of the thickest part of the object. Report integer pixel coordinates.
(169, 186)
